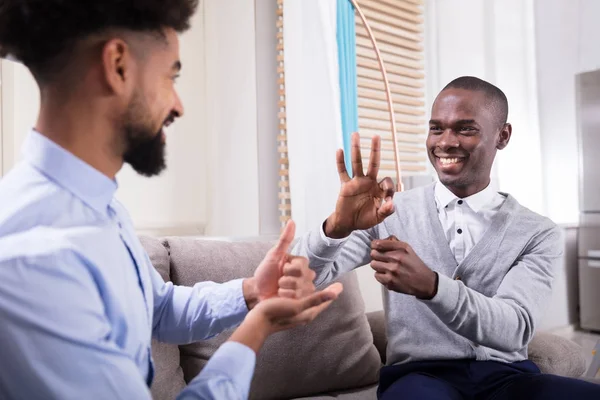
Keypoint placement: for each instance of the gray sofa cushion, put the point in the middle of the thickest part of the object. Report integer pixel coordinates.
(335, 352)
(556, 355)
(168, 377)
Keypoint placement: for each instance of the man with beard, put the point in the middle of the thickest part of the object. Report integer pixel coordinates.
(79, 298)
(466, 270)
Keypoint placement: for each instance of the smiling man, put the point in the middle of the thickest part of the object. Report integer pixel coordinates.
(467, 271)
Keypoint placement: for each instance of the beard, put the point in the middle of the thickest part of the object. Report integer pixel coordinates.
(144, 147)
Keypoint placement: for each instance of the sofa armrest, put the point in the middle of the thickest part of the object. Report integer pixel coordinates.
(377, 323)
(556, 355)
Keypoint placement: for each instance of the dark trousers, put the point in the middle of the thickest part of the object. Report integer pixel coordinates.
(478, 380)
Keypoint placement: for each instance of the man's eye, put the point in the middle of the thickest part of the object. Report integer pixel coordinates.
(434, 128)
(175, 77)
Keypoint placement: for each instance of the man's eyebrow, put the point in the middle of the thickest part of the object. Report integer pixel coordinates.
(177, 66)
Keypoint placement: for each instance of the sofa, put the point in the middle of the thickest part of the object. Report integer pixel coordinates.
(337, 356)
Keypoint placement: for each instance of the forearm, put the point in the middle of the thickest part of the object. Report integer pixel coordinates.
(227, 375)
(252, 333)
(187, 314)
(497, 322)
(330, 258)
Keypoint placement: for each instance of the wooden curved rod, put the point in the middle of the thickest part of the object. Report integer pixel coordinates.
(388, 92)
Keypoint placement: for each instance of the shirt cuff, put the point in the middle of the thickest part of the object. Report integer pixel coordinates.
(446, 299)
(239, 307)
(235, 363)
(330, 242)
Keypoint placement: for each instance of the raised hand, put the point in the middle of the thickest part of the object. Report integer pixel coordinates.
(363, 202)
(280, 274)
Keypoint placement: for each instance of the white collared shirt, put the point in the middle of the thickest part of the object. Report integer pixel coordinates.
(465, 220)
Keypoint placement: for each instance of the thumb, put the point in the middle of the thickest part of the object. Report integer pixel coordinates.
(386, 209)
(316, 299)
(286, 238)
(335, 289)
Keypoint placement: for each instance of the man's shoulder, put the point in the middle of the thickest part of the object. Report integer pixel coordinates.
(29, 199)
(525, 218)
(47, 242)
(539, 230)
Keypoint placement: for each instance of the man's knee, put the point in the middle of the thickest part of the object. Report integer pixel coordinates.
(546, 386)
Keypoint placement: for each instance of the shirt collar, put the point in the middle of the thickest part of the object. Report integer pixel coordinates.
(476, 202)
(71, 173)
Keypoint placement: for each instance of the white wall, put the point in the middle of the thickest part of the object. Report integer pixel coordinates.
(567, 44)
(231, 117)
(20, 105)
(176, 202)
(494, 40)
(267, 108)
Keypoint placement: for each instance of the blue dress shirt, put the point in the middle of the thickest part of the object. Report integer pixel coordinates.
(80, 300)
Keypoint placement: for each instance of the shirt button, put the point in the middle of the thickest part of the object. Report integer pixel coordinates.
(459, 231)
(460, 202)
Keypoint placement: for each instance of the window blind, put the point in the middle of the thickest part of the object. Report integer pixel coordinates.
(285, 206)
(398, 28)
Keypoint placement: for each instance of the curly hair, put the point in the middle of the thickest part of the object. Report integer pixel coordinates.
(38, 32)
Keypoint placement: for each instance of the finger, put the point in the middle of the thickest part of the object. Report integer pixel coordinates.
(341, 166)
(312, 307)
(381, 267)
(286, 238)
(316, 299)
(309, 315)
(383, 278)
(287, 293)
(386, 257)
(375, 158)
(389, 245)
(335, 288)
(287, 282)
(388, 188)
(293, 270)
(357, 167)
(386, 209)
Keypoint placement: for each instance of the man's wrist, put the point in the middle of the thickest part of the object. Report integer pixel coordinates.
(250, 292)
(332, 231)
(253, 332)
(432, 290)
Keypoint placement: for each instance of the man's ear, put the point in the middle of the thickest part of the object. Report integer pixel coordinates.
(117, 62)
(504, 136)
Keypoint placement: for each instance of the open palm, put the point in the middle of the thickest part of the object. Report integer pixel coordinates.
(363, 202)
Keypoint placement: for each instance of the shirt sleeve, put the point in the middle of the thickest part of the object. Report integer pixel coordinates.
(227, 375)
(506, 321)
(331, 258)
(57, 342)
(188, 314)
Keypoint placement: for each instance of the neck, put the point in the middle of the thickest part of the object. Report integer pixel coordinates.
(75, 124)
(466, 191)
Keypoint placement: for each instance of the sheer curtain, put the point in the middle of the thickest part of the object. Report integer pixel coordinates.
(313, 113)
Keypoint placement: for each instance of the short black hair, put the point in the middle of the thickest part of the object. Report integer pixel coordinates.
(38, 32)
(496, 97)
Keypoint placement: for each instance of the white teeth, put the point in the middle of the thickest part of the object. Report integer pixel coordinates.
(447, 161)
